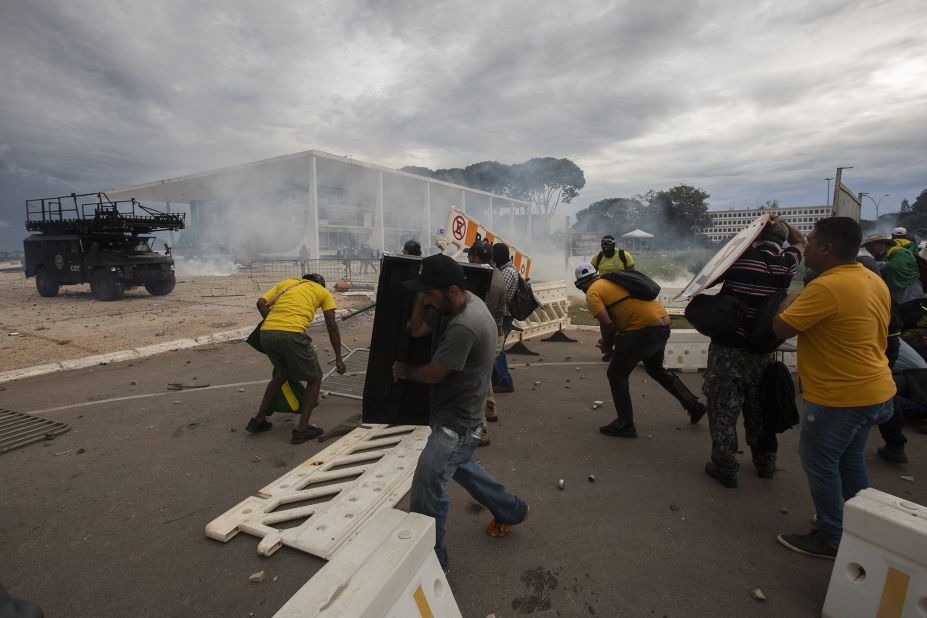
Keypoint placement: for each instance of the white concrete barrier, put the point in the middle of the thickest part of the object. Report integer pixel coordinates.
(389, 569)
(881, 566)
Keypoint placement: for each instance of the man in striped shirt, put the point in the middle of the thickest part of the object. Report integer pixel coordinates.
(734, 368)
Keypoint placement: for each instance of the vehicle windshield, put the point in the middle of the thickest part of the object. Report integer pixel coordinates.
(142, 245)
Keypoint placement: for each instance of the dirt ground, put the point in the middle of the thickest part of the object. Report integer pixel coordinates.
(36, 330)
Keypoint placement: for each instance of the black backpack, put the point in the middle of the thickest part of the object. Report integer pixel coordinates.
(524, 302)
(716, 315)
(760, 335)
(777, 398)
(637, 284)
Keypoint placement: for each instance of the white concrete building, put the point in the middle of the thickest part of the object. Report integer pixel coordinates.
(726, 223)
(316, 205)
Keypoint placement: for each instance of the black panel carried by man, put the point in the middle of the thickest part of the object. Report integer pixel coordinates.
(735, 367)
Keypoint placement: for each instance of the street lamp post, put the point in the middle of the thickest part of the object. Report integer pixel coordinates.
(827, 199)
(875, 203)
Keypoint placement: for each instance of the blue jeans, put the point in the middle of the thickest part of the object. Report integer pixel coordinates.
(449, 454)
(500, 369)
(831, 448)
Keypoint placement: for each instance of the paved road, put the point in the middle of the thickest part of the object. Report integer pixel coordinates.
(117, 529)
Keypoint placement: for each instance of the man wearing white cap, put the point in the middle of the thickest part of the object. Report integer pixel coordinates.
(639, 330)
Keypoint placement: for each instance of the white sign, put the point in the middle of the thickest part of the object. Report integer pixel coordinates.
(722, 260)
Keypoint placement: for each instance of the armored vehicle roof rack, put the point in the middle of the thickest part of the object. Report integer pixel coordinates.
(96, 214)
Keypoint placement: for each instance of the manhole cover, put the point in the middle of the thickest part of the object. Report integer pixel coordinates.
(18, 429)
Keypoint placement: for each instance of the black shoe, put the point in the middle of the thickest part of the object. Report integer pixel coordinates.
(503, 388)
(811, 544)
(892, 455)
(626, 431)
(255, 427)
(304, 436)
(728, 480)
(697, 412)
(766, 471)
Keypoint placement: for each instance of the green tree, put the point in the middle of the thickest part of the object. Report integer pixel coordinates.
(684, 207)
(547, 182)
(615, 215)
(490, 176)
(906, 208)
(920, 204)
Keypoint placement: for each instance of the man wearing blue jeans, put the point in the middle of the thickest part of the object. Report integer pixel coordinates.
(501, 378)
(459, 374)
(841, 319)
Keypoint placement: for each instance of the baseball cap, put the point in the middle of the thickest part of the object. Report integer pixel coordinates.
(438, 271)
(900, 231)
(412, 247)
(584, 272)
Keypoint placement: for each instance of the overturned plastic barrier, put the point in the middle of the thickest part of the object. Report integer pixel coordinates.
(341, 488)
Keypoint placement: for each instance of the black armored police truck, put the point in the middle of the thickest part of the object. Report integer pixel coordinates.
(89, 238)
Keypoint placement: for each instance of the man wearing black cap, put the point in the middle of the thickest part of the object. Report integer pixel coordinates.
(481, 253)
(501, 378)
(610, 259)
(412, 247)
(459, 375)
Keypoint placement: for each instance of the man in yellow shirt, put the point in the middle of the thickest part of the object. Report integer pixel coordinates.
(288, 309)
(610, 259)
(841, 320)
(639, 330)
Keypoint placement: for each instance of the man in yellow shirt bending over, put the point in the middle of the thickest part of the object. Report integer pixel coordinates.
(639, 330)
(288, 309)
(841, 320)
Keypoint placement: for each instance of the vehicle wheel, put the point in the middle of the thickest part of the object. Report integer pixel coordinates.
(162, 287)
(46, 283)
(105, 286)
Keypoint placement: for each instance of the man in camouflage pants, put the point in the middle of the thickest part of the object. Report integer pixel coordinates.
(735, 369)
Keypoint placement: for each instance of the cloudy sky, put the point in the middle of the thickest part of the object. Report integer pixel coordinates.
(748, 100)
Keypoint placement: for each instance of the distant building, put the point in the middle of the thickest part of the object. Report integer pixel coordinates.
(726, 223)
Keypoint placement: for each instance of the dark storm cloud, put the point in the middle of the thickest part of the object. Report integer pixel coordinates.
(750, 101)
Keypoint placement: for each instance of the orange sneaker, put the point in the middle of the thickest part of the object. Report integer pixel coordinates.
(497, 529)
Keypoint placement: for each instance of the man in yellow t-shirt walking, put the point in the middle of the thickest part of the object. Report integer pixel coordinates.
(639, 330)
(288, 309)
(841, 320)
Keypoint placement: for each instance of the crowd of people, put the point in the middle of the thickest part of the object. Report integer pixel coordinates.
(855, 371)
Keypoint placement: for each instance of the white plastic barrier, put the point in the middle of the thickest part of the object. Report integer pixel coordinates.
(368, 470)
(388, 569)
(551, 316)
(687, 350)
(881, 566)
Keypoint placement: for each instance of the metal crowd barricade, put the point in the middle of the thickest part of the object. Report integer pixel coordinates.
(361, 273)
(349, 385)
